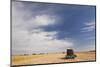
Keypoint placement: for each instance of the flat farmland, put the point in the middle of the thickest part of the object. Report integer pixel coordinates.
(51, 58)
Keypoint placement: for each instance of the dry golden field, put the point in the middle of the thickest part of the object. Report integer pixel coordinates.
(51, 58)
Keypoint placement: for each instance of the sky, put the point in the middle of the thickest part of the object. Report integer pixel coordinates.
(49, 28)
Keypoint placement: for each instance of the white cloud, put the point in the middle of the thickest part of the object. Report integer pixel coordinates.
(44, 19)
(26, 18)
(89, 26)
(36, 40)
(25, 42)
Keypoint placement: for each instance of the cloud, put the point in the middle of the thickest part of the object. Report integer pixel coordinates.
(89, 26)
(28, 37)
(39, 42)
(44, 19)
(25, 16)
(42, 28)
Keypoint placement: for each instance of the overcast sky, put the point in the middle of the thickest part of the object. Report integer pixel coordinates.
(43, 27)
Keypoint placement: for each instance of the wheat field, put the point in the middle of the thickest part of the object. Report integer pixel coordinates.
(51, 58)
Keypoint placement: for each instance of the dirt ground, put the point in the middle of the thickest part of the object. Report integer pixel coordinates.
(51, 58)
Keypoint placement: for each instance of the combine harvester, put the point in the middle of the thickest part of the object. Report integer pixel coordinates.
(70, 54)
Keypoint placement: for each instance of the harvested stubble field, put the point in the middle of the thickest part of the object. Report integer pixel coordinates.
(51, 58)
